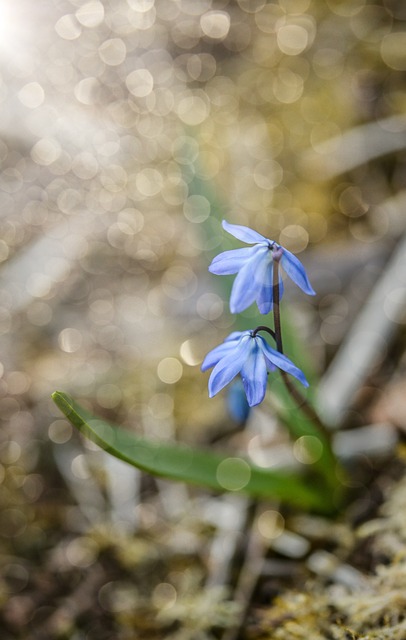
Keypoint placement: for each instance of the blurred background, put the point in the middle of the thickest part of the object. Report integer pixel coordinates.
(129, 129)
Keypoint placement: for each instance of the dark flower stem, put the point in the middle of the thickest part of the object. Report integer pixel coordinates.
(295, 394)
(262, 327)
(276, 309)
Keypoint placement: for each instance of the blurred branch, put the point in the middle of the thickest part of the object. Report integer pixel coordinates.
(367, 340)
(355, 147)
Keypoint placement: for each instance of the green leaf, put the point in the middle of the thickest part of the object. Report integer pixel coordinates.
(195, 466)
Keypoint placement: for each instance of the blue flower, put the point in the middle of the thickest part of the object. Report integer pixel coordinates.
(237, 403)
(248, 354)
(254, 269)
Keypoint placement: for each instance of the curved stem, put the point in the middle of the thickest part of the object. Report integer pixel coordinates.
(262, 327)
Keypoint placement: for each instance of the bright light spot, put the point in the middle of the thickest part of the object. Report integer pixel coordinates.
(85, 90)
(85, 165)
(233, 474)
(164, 596)
(60, 431)
(46, 151)
(271, 524)
(170, 370)
(70, 340)
(68, 28)
(294, 237)
(4, 251)
(209, 306)
(393, 50)
(38, 285)
(215, 24)
(187, 354)
(11, 453)
(109, 396)
(196, 208)
(140, 83)
(193, 110)
(81, 552)
(18, 382)
(394, 305)
(141, 6)
(292, 39)
(91, 14)
(31, 95)
(148, 181)
(308, 449)
(113, 52)
(79, 467)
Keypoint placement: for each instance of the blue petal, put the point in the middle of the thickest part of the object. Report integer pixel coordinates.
(248, 283)
(254, 376)
(245, 234)
(216, 354)
(265, 293)
(296, 272)
(265, 298)
(223, 349)
(281, 288)
(228, 367)
(232, 261)
(236, 335)
(237, 404)
(281, 361)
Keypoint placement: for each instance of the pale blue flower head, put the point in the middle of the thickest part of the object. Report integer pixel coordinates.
(249, 355)
(254, 268)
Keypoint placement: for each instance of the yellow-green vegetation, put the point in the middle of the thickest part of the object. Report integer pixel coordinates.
(343, 602)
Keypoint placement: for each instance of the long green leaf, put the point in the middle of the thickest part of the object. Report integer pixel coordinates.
(195, 466)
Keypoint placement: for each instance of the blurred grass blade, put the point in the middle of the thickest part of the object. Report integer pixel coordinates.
(194, 466)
